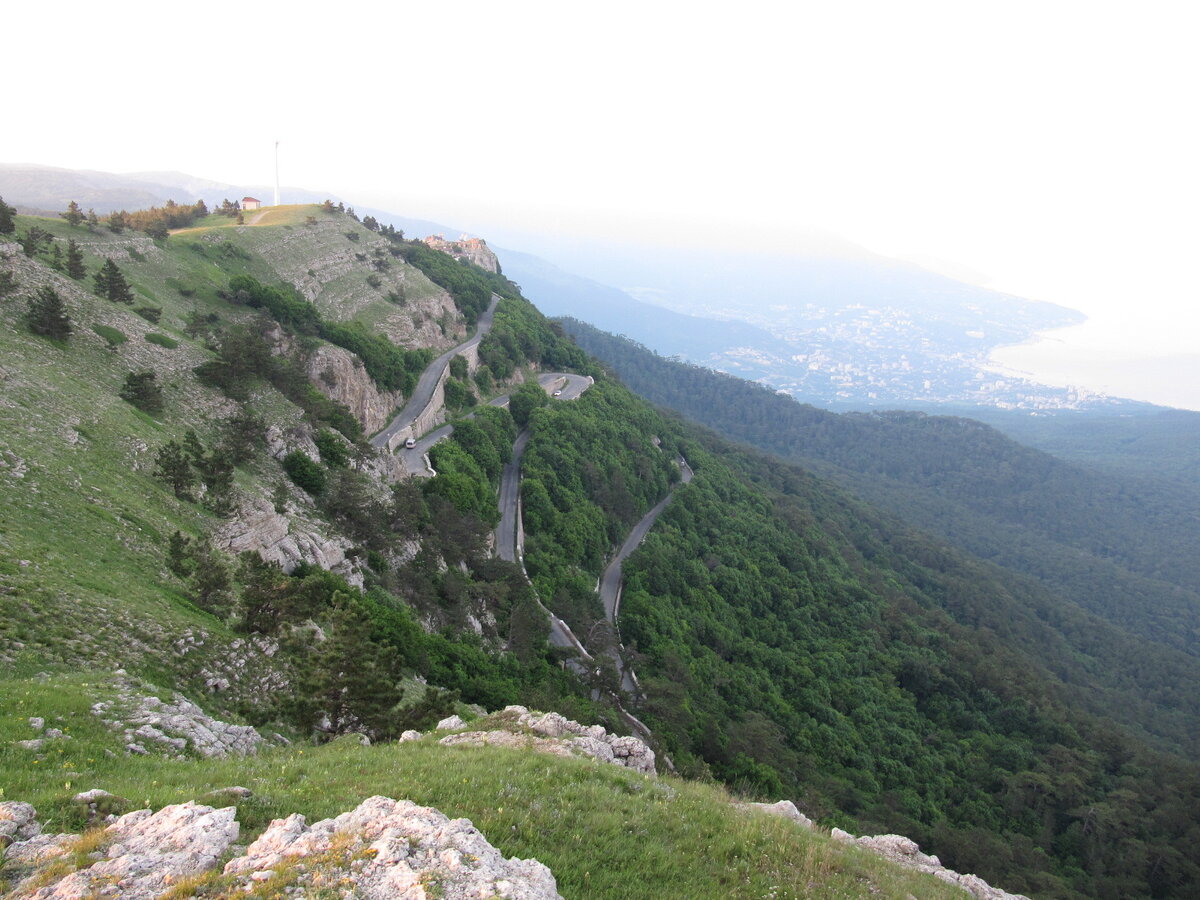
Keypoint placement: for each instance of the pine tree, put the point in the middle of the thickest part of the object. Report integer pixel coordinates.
(179, 554)
(75, 267)
(101, 278)
(31, 241)
(142, 390)
(211, 581)
(47, 316)
(172, 466)
(110, 283)
(93, 220)
(7, 225)
(73, 215)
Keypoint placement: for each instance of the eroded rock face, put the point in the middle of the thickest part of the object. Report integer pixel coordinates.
(553, 733)
(394, 849)
(276, 538)
(473, 250)
(340, 376)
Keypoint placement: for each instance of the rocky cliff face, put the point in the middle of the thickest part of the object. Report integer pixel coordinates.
(340, 376)
(283, 539)
(473, 250)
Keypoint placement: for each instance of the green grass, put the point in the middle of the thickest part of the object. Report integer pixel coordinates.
(162, 340)
(605, 832)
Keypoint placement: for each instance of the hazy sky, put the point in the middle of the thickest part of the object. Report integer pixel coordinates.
(1053, 147)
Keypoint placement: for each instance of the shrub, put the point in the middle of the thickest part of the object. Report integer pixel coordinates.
(458, 395)
(304, 472)
(334, 451)
(374, 280)
(114, 337)
(162, 340)
(149, 313)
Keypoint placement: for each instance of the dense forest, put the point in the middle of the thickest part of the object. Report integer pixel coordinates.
(1120, 546)
(794, 642)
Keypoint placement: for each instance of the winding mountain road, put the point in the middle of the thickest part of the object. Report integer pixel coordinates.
(508, 531)
(610, 580)
(428, 381)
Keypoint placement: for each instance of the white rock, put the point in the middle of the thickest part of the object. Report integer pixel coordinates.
(449, 723)
(403, 845)
(786, 809)
(151, 850)
(18, 822)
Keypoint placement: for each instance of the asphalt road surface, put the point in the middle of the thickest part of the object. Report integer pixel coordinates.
(610, 580)
(426, 384)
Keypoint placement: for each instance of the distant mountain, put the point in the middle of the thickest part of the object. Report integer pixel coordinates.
(557, 292)
(1163, 444)
(828, 322)
(46, 189)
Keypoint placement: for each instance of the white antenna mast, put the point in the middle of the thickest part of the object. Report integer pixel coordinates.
(277, 173)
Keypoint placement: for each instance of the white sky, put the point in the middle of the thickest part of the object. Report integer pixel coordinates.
(1053, 146)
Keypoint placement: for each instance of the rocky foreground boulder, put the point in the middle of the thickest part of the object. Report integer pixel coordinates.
(382, 849)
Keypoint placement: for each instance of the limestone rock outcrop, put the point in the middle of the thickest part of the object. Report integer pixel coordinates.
(393, 848)
(144, 852)
(382, 849)
(340, 376)
(174, 727)
(473, 250)
(553, 733)
(18, 822)
(907, 853)
(785, 809)
(278, 538)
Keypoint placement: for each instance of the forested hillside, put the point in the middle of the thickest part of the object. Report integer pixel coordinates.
(795, 641)
(1119, 546)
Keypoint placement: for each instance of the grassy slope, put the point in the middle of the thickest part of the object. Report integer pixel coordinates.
(87, 516)
(605, 831)
(322, 260)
